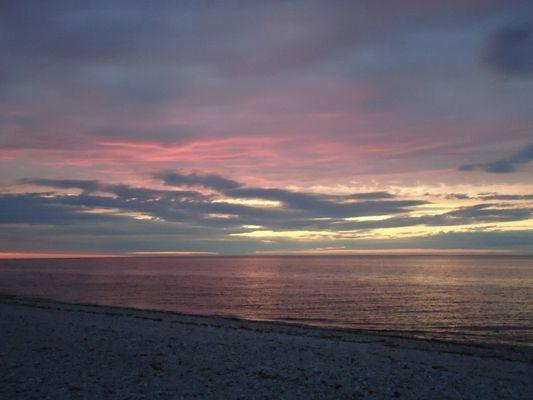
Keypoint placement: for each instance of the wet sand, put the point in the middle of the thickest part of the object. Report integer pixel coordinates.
(52, 350)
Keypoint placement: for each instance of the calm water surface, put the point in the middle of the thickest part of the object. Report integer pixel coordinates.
(474, 299)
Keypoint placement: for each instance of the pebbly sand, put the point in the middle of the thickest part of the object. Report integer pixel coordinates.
(52, 350)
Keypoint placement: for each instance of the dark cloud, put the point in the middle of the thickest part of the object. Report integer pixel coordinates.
(315, 205)
(510, 50)
(476, 214)
(458, 196)
(86, 185)
(483, 213)
(299, 210)
(507, 197)
(504, 165)
(185, 206)
(490, 196)
(371, 195)
(326, 206)
(91, 186)
(41, 209)
(210, 181)
(110, 214)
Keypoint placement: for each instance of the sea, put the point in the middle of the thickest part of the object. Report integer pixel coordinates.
(472, 299)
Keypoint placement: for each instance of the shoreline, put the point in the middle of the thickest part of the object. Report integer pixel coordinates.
(53, 349)
(209, 319)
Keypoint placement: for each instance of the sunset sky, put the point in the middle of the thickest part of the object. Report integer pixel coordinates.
(279, 127)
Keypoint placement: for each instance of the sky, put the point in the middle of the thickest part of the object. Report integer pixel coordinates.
(256, 128)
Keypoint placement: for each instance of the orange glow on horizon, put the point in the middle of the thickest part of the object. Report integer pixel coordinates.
(331, 251)
(22, 255)
(173, 253)
(15, 255)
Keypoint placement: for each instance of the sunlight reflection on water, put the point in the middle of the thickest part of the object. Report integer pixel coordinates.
(480, 299)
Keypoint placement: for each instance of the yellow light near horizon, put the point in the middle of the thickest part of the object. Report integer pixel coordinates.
(400, 251)
(172, 253)
(121, 213)
(369, 218)
(250, 202)
(423, 230)
(387, 233)
(221, 216)
(304, 235)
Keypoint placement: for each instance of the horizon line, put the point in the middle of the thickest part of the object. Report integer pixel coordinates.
(266, 253)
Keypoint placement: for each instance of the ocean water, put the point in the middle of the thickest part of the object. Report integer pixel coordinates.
(466, 299)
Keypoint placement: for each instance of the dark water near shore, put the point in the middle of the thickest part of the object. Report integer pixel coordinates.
(474, 299)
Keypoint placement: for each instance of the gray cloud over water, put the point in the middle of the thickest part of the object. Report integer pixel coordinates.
(504, 165)
(510, 50)
(201, 220)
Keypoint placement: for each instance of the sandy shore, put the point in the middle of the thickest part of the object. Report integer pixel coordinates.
(51, 350)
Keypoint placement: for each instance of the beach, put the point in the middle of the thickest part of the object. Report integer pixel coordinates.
(54, 350)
